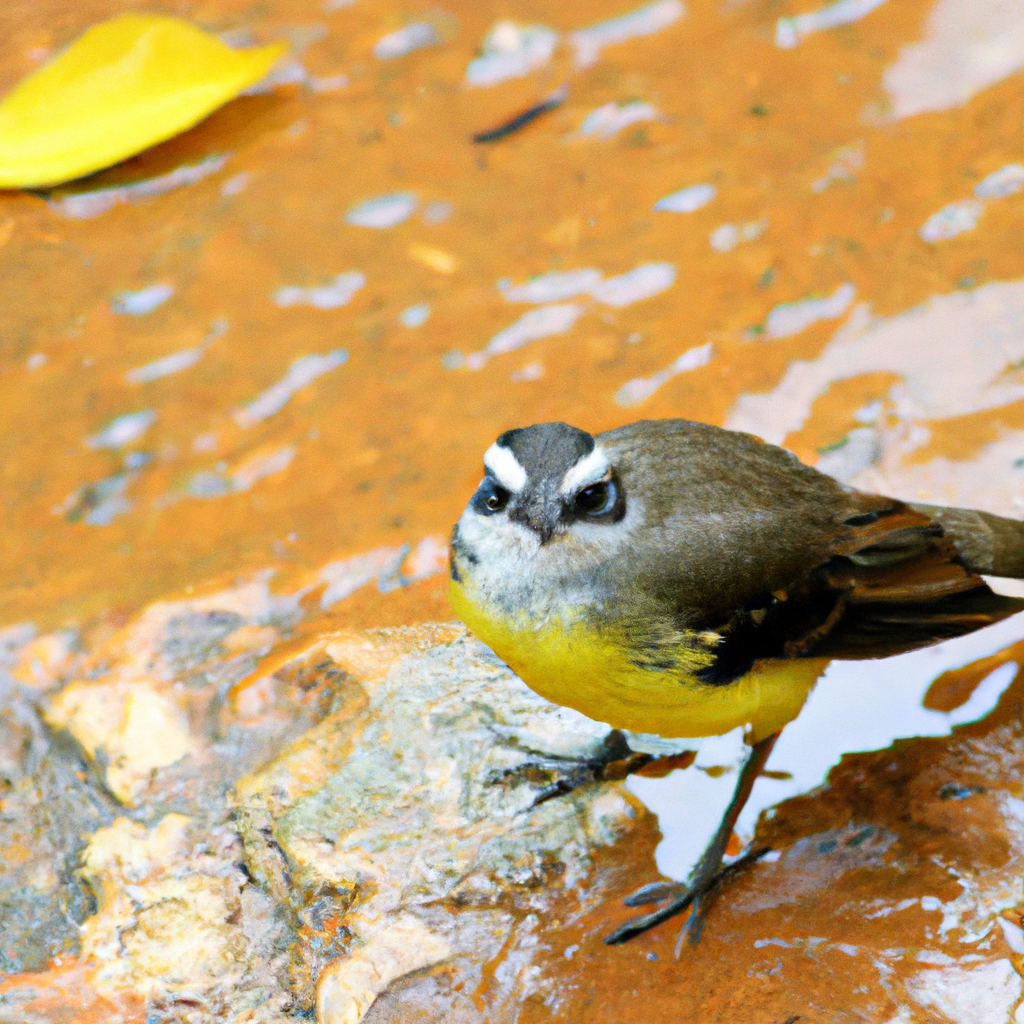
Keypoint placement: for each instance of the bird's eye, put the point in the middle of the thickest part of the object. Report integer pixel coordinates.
(491, 497)
(596, 499)
(497, 500)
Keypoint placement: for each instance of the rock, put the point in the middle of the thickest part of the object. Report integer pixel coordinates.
(47, 659)
(402, 802)
(46, 805)
(145, 705)
(134, 726)
(393, 947)
(422, 809)
(176, 928)
(166, 907)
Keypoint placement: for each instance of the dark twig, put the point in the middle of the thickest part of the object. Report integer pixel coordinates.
(521, 120)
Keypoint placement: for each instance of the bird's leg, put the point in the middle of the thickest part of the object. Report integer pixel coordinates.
(709, 873)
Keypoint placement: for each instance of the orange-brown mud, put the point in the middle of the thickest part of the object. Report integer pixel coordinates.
(802, 143)
(385, 449)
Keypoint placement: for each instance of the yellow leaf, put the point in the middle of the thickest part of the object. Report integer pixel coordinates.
(123, 86)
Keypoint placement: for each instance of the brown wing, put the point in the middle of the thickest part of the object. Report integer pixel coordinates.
(894, 582)
(780, 560)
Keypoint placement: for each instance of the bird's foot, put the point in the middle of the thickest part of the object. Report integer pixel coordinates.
(698, 895)
(553, 777)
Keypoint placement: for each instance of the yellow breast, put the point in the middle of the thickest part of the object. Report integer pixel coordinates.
(571, 660)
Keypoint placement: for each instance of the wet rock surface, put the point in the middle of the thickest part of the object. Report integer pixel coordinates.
(436, 823)
(388, 826)
(266, 845)
(48, 806)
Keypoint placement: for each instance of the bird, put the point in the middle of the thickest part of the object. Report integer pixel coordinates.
(681, 579)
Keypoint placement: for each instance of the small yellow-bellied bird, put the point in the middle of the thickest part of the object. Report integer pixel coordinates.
(676, 578)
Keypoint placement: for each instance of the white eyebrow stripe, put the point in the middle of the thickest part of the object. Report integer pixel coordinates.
(588, 470)
(505, 468)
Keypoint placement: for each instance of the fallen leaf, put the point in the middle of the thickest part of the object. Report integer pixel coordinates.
(120, 88)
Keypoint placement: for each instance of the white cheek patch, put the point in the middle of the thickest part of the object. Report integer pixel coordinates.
(587, 471)
(505, 468)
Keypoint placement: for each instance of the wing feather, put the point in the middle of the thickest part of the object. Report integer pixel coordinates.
(744, 542)
(894, 582)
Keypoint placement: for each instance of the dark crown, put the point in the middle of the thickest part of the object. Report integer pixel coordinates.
(547, 450)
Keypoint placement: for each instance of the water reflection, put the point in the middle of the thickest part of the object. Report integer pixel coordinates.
(857, 705)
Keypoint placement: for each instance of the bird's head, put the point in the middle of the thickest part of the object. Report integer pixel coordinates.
(540, 485)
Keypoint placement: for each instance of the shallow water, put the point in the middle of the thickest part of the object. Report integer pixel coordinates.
(777, 198)
(855, 706)
(282, 341)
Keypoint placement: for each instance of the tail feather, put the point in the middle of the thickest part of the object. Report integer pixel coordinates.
(988, 544)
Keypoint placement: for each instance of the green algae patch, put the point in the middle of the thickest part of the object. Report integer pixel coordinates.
(123, 86)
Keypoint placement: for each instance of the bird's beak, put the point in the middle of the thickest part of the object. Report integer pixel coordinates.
(542, 517)
(544, 529)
